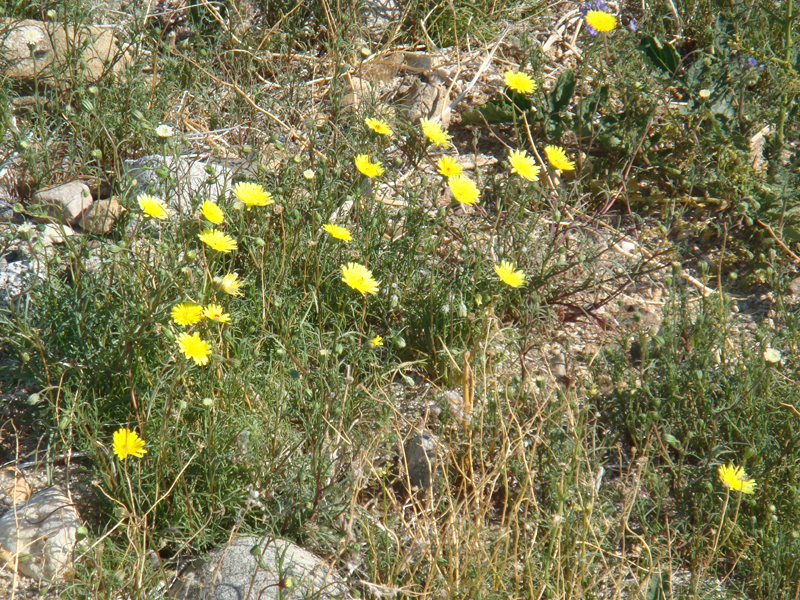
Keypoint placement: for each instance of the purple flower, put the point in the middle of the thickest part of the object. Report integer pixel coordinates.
(753, 62)
(591, 31)
(600, 5)
(585, 8)
(632, 26)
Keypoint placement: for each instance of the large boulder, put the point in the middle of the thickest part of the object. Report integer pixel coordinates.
(252, 568)
(33, 50)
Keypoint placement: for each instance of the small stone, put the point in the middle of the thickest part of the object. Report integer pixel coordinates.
(100, 217)
(63, 203)
(424, 100)
(55, 234)
(41, 535)
(421, 460)
(252, 567)
(558, 365)
(357, 90)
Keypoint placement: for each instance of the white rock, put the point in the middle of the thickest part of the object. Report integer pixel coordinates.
(188, 185)
(55, 234)
(234, 573)
(41, 535)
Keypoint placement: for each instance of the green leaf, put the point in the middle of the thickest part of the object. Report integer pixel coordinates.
(562, 92)
(663, 56)
(492, 112)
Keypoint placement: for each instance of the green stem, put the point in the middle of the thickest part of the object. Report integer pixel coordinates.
(787, 34)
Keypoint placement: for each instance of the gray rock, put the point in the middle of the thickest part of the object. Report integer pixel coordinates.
(16, 277)
(100, 217)
(40, 536)
(189, 182)
(421, 460)
(558, 365)
(377, 15)
(53, 45)
(235, 573)
(63, 203)
(426, 100)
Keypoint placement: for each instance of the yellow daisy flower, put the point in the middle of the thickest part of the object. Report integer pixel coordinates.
(231, 285)
(370, 169)
(216, 313)
(187, 314)
(558, 158)
(152, 206)
(601, 21)
(212, 212)
(507, 272)
(340, 233)
(449, 166)
(193, 347)
(519, 82)
(523, 165)
(221, 242)
(359, 278)
(735, 478)
(379, 126)
(128, 443)
(252, 194)
(376, 341)
(435, 134)
(463, 189)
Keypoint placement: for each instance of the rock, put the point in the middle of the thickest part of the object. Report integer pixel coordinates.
(382, 68)
(558, 365)
(40, 536)
(189, 182)
(234, 573)
(53, 46)
(425, 100)
(377, 15)
(14, 489)
(54, 234)
(63, 203)
(357, 90)
(421, 460)
(16, 277)
(100, 217)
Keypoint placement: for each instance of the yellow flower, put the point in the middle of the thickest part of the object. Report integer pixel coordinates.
(376, 341)
(519, 82)
(216, 313)
(370, 169)
(152, 206)
(193, 347)
(221, 242)
(252, 194)
(449, 166)
(523, 165)
(734, 478)
(464, 189)
(379, 126)
(507, 272)
(128, 443)
(435, 134)
(187, 314)
(212, 212)
(359, 278)
(231, 285)
(340, 233)
(601, 21)
(558, 158)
